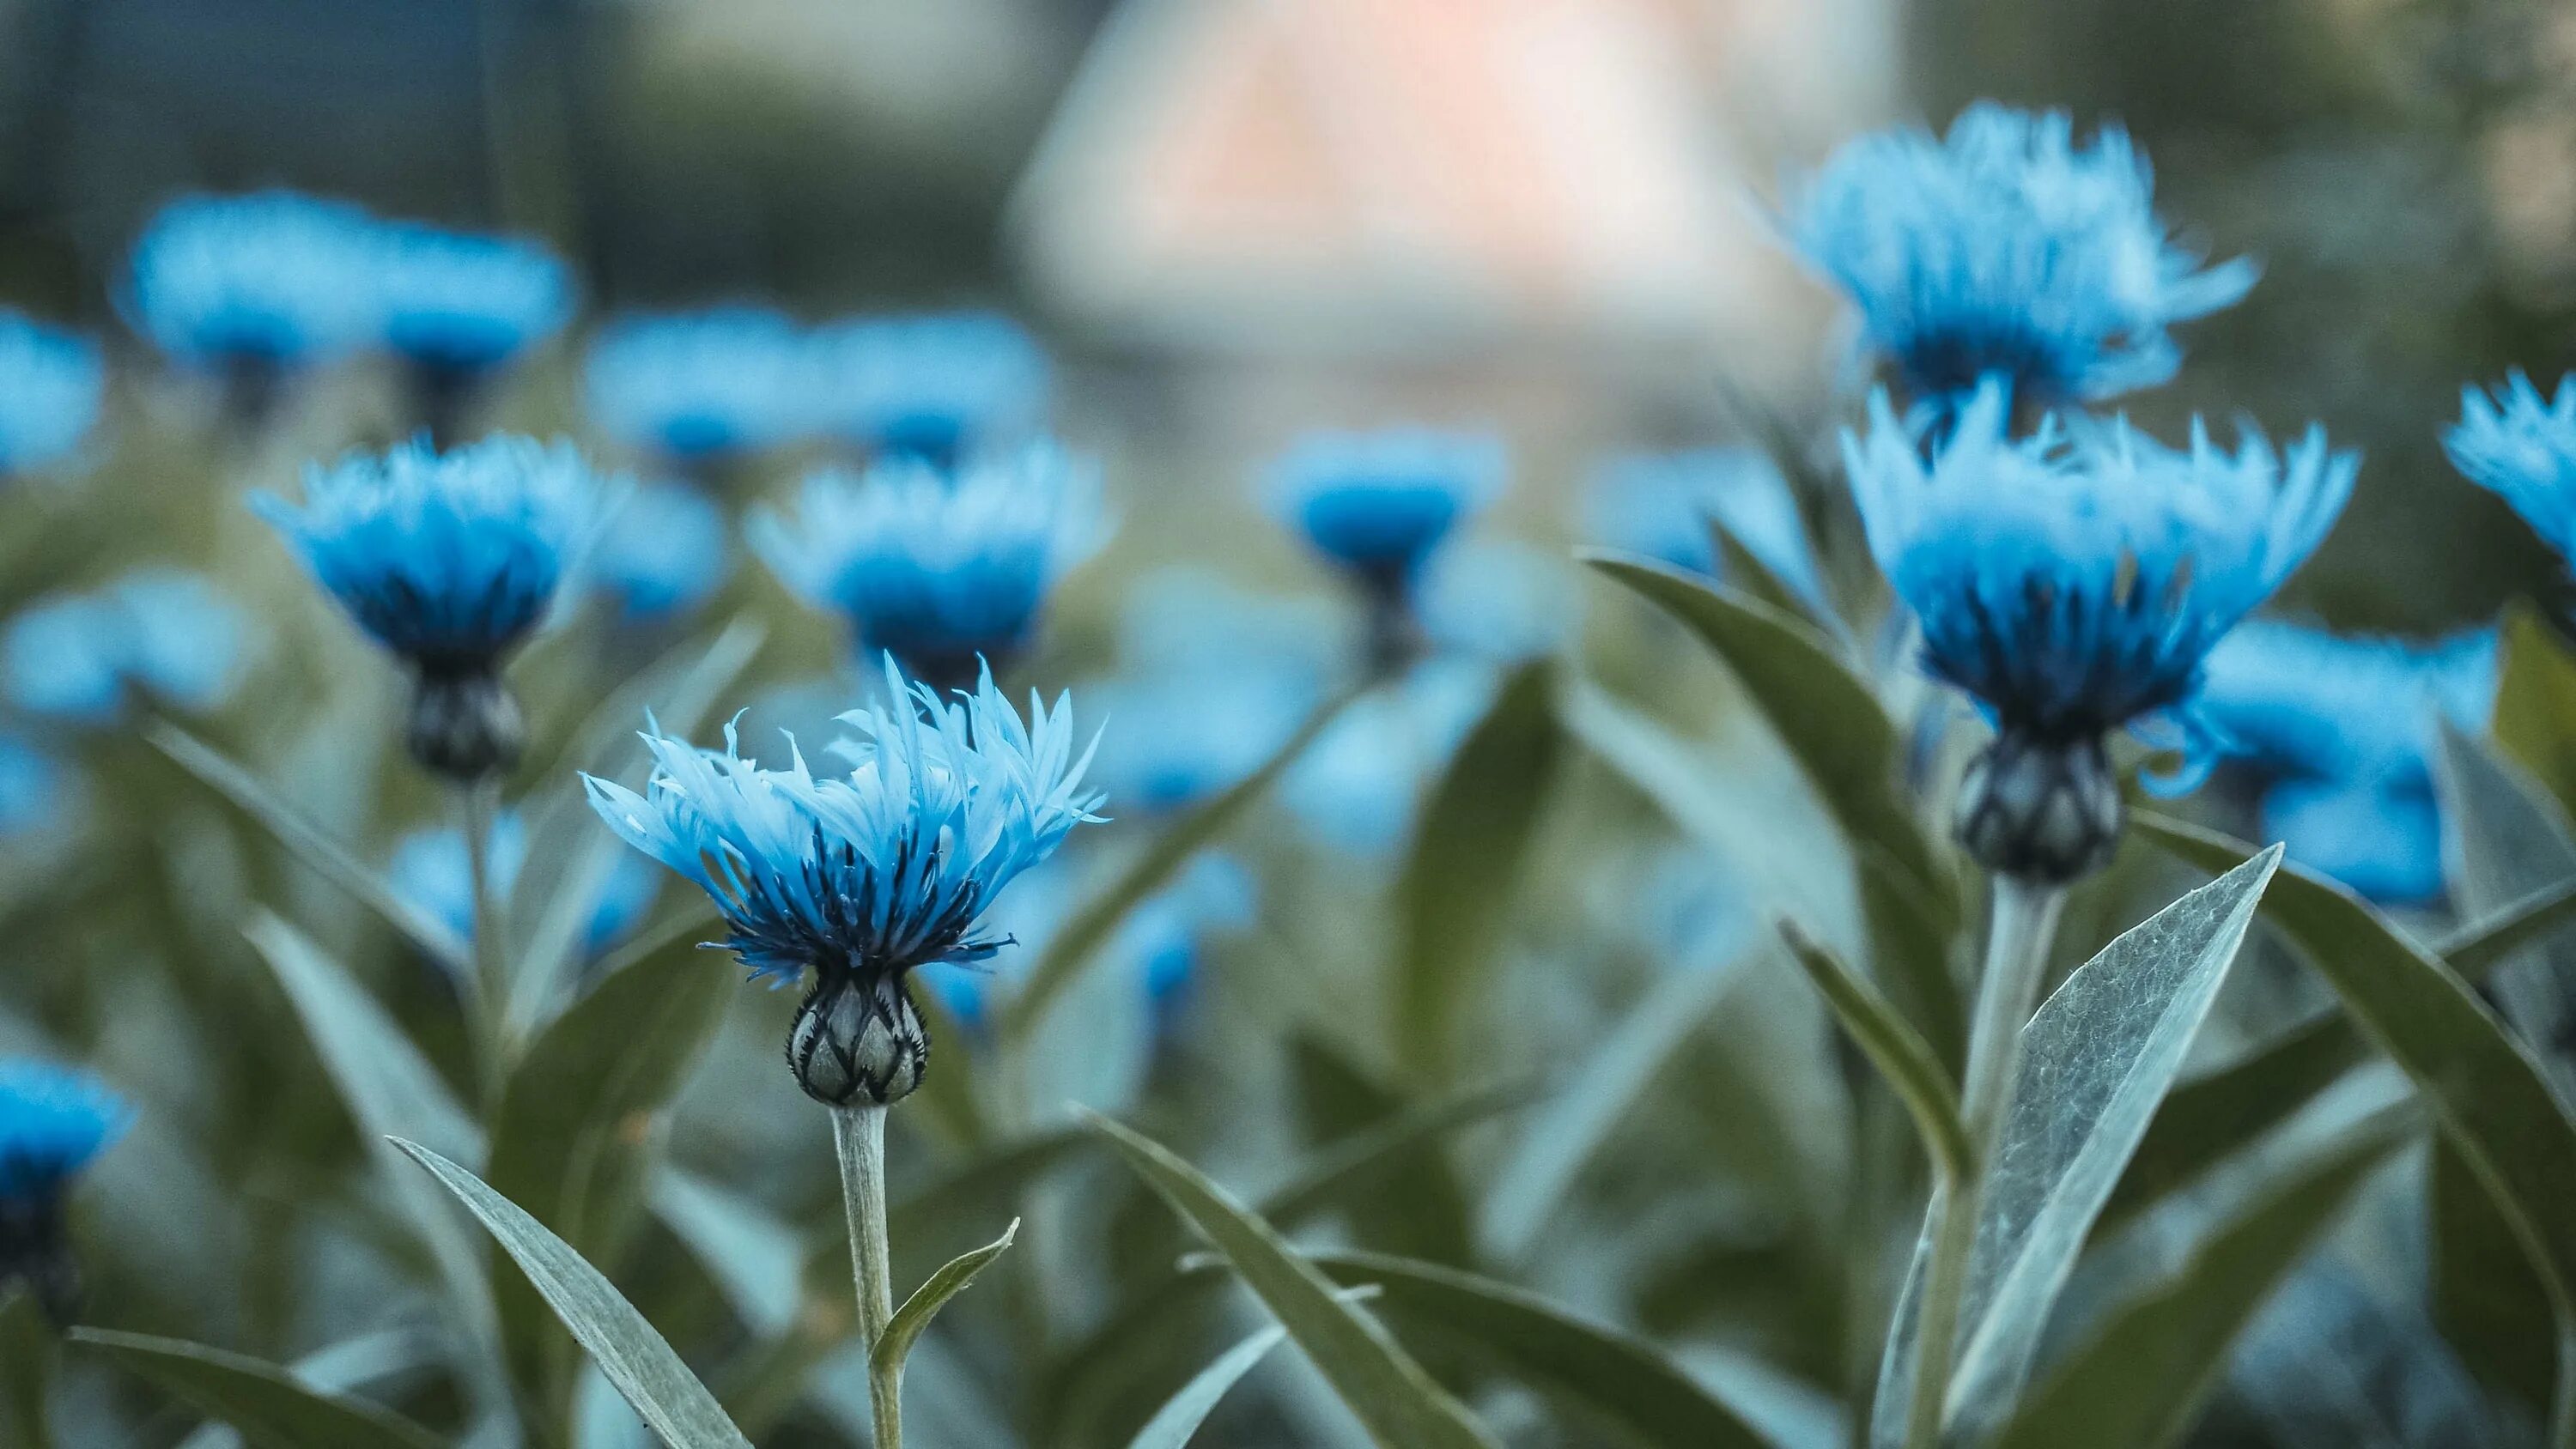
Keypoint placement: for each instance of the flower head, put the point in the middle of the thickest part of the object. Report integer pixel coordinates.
(938, 386)
(272, 279)
(699, 385)
(862, 877)
(158, 634)
(460, 305)
(50, 382)
(2522, 448)
(1379, 503)
(432, 869)
(663, 552)
(53, 1123)
(1667, 506)
(2007, 250)
(938, 569)
(37, 791)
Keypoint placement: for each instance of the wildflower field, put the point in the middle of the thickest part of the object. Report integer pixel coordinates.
(583, 870)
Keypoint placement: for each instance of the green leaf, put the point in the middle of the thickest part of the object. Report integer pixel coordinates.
(913, 1318)
(1747, 571)
(2493, 1101)
(2536, 702)
(634, 1357)
(2139, 1382)
(757, 1262)
(1621, 1383)
(1393, 1398)
(1462, 876)
(1598, 1097)
(309, 843)
(1073, 945)
(263, 1401)
(1827, 715)
(26, 1369)
(1180, 1417)
(1894, 1047)
(1357, 1158)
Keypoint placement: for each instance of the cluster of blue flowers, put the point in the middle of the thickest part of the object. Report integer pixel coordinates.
(157, 635)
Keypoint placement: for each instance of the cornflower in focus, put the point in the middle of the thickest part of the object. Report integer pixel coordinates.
(449, 560)
(940, 571)
(940, 387)
(256, 287)
(2073, 582)
(2007, 251)
(702, 388)
(2522, 448)
(1378, 505)
(156, 635)
(433, 870)
(50, 382)
(853, 881)
(1669, 506)
(457, 308)
(53, 1123)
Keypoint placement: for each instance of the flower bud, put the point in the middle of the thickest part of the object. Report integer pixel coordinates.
(2041, 811)
(465, 725)
(858, 1041)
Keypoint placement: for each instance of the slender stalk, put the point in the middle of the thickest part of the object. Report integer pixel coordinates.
(859, 1134)
(481, 807)
(2024, 922)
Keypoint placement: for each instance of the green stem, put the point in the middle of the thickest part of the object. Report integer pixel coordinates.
(2023, 924)
(859, 1134)
(482, 806)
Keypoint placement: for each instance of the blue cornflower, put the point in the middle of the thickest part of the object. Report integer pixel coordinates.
(938, 569)
(459, 306)
(53, 1123)
(449, 560)
(2073, 582)
(157, 634)
(663, 552)
(703, 385)
(939, 386)
(432, 869)
(37, 792)
(2007, 250)
(860, 878)
(1379, 503)
(2522, 448)
(272, 280)
(1666, 506)
(50, 382)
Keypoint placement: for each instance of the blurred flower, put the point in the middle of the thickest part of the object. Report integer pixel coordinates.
(458, 305)
(1666, 506)
(53, 1123)
(1162, 939)
(35, 789)
(2007, 251)
(2073, 582)
(50, 381)
(2523, 449)
(431, 869)
(862, 878)
(449, 560)
(157, 634)
(663, 551)
(273, 280)
(2384, 842)
(939, 386)
(1500, 601)
(699, 385)
(1356, 788)
(938, 570)
(1379, 503)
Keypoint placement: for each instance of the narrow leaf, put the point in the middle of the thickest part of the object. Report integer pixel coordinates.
(2535, 699)
(1620, 1383)
(263, 1401)
(1398, 1403)
(1364, 1155)
(634, 1357)
(913, 1318)
(2139, 1382)
(1894, 1047)
(1181, 1416)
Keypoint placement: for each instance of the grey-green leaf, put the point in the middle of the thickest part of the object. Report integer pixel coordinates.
(634, 1357)
(1894, 1047)
(913, 1318)
(258, 1398)
(1398, 1403)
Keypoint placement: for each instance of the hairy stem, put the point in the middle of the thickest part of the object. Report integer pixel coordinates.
(859, 1134)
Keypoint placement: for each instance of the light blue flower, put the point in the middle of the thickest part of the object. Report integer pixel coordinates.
(879, 870)
(37, 791)
(461, 305)
(2522, 448)
(936, 568)
(2007, 250)
(431, 869)
(447, 559)
(157, 634)
(53, 1123)
(1168, 933)
(698, 385)
(1666, 506)
(2074, 581)
(663, 552)
(50, 382)
(938, 386)
(1379, 503)
(2383, 841)
(273, 278)
(1501, 601)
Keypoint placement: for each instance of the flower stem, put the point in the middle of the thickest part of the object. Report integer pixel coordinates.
(859, 1134)
(2023, 924)
(482, 805)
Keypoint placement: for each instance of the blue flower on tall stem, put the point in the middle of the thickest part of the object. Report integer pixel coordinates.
(449, 560)
(1378, 504)
(938, 386)
(459, 307)
(2007, 251)
(702, 387)
(858, 879)
(50, 383)
(157, 634)
(2521, 447)
(53, 1123)
(939, 570)
(2073, 582)
(663, 552)
(256, 286)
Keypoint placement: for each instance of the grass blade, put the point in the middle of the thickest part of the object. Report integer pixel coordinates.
(262, 1400)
